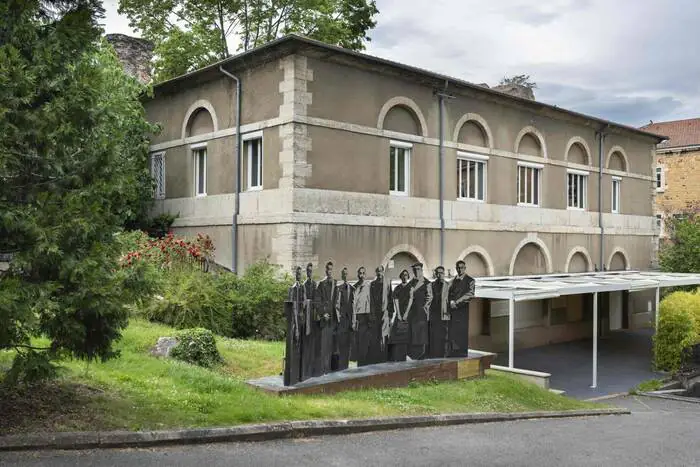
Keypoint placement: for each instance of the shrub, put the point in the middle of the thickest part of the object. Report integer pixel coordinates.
(170, 252)
(679, 328)
(257, 303)
(192, 299)
(197, 346)
(247, 306)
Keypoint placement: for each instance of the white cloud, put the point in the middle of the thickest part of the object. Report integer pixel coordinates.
(627, 60)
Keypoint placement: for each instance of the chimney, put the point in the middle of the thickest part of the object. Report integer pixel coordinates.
(135, 55)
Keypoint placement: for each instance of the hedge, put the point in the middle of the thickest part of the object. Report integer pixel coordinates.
(678, 329)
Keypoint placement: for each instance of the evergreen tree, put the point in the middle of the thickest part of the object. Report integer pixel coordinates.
(73, 170)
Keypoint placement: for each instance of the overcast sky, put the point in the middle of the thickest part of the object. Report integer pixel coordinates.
(629, 61)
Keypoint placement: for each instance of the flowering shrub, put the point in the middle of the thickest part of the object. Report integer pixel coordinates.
(171, 251)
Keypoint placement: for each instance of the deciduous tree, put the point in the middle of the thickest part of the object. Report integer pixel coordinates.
(189, 34)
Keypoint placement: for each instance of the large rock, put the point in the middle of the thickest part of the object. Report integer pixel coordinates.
(164, 346)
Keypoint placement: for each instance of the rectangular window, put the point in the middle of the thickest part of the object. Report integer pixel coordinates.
(400, 167)
(528, 188)
(576, 182)
(660, 179)
(616, 182)
(471, 176)
(200, 170)
(254, 151)
(158, 174)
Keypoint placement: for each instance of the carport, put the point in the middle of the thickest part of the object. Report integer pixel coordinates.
(517, 289)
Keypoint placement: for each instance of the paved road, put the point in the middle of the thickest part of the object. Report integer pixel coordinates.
(659, 432)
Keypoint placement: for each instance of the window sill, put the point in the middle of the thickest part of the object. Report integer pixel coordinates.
(200, 195)
(571, 208)
(660, 190)
(255, 188)
(528, 205)
(398, 193)
(615, 212)
(472, 200)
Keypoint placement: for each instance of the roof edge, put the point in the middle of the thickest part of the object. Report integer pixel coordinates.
(303, 40)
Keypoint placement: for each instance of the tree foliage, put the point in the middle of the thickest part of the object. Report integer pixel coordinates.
(681, 251)
(518, 80)
(73, 170)
(190, 34)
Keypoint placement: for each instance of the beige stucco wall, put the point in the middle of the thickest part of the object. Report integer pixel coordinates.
(349, 161)
(260, 100)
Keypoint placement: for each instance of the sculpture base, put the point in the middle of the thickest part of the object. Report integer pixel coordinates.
(383, 375)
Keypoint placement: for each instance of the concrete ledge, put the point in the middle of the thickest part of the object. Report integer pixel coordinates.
(266, 432)
(537, 377)
(671, 396)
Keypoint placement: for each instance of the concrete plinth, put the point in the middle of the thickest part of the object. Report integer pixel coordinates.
(383, 375)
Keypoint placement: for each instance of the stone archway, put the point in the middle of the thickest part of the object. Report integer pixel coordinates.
(579, 260)
(196, 108)
(531, 256)
(408, 104)
(531, 140)
(619, 260)
(402, 257)
(478, 261)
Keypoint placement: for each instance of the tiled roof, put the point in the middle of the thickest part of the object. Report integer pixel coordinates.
(680, 132)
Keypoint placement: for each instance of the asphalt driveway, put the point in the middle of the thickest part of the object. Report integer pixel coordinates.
(659, 432)
(624, 360)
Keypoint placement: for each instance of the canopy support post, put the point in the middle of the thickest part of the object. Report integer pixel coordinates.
(511, 331)
(595, 341)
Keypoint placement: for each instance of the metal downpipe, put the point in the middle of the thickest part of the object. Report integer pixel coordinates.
(601, 137)
(441, 100)
(236, 211)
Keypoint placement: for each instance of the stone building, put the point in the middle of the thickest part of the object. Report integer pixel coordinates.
(340, 160)
(135, 55)
(677, 171)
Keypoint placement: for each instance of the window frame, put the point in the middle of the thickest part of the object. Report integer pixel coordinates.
(159, 189)
(583, 195)
(660, 178)
(407, 151)
(246, 140)
(197, 149)
(535, 167)
(616, 186)
(479, 159)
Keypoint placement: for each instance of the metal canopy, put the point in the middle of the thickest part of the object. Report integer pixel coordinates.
(522, 288)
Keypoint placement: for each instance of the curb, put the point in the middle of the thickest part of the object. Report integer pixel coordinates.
(690, 400)
(272, 431)
(607, 397)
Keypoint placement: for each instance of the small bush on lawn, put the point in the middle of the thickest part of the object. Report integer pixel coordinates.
(679, 328)
(197, 346)
(257, 303)
(193, 299)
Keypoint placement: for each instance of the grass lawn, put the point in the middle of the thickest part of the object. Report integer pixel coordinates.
(140, 392)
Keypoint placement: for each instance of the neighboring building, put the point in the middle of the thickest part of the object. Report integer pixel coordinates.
(340, 161)
(677, 171)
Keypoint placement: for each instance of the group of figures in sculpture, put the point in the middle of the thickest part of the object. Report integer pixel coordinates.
(330, 323)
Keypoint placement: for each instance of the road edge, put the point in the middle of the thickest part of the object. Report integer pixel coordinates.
(269, 431)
